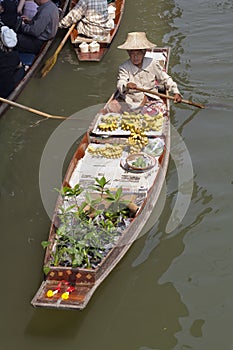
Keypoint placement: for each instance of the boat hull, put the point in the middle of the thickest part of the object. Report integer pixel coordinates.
(87, 280)
(104, 45)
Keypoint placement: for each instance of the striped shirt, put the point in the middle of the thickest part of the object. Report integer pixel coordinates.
(92, 18)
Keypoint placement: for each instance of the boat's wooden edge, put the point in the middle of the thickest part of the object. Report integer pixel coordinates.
(40, 299)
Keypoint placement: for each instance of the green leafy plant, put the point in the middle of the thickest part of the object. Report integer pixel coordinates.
(67, 191)
(88, 230)
(100, 185)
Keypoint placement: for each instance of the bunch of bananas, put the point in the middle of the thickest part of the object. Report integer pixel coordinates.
(130, 121)
(152, 122)
(108, 123)
(129, 125)
(107, 151)
(108, 126)
(131, 116)
(137, 140)
(110, 118)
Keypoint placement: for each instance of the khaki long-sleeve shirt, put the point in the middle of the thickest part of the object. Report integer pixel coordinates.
(149, 77)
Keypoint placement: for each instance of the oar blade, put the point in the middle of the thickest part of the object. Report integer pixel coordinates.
(52, 60)
(48, 65)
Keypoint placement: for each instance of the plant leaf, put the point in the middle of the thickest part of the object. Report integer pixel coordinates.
(45, 244)
(46, 269)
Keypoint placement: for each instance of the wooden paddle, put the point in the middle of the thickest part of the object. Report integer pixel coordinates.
(53, 59)
(169, 97)
(29, 109)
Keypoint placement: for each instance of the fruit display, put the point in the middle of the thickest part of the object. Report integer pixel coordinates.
(130, 121)
(118, 124)
(137, 140)
(145, 121)
(107, 151)
(136, 126)
(152, 122)
(108, 123)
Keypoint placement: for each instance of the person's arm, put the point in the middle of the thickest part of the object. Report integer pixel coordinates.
(35, 27)
(20, 6)
(74, 15)
(123, 79)
(168, 82)
(41, 23)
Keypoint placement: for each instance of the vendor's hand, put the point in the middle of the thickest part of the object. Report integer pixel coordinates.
(177, 98)
(131, 86)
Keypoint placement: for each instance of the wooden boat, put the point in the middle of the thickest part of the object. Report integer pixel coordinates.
(104, 43)
(71, 287)
(32, 62)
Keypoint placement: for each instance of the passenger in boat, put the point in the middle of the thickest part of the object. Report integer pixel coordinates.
(34, 32)
(9, 13)
(11, 69)
(91, 17)
(27, 8)
(143, 72)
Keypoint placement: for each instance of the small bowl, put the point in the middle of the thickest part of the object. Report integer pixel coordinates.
(140, 161)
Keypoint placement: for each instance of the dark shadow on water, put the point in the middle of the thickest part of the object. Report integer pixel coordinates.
(49, 323)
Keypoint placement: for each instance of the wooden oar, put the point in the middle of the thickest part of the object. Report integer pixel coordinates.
(53, 59)
(29, 109)
(170, 97)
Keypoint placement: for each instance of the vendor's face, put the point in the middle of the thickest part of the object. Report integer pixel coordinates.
(136, 56)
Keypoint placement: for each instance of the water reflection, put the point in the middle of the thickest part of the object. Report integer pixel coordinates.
(160, 253)
(157, 233)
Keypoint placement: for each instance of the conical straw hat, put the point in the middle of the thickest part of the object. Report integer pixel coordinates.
(137, 41)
